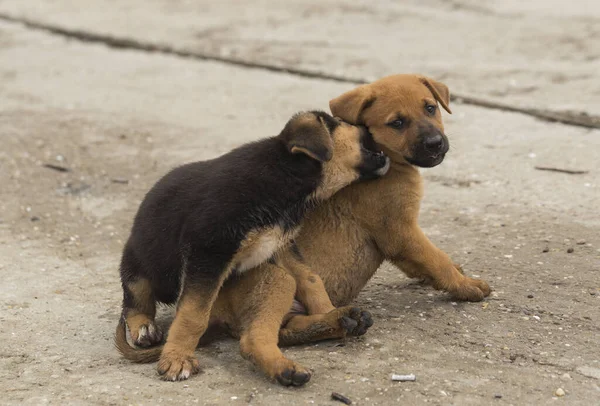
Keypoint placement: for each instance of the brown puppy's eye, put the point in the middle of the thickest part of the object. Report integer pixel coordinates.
(430, 109)
(397, 123)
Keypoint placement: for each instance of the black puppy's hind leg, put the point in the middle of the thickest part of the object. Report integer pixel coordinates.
(139, 304)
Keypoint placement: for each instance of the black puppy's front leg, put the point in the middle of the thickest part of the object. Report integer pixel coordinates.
(201, 285)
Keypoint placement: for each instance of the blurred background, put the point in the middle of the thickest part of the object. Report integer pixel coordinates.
(531, 54)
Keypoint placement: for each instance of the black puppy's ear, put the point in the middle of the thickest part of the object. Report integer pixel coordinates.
(350, 105)
(307, 133)
(439, 90)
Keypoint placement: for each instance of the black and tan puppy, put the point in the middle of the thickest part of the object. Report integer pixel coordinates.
(206, 220)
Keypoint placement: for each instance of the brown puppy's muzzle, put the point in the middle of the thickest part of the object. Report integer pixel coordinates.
(374, 163)
(431, 147)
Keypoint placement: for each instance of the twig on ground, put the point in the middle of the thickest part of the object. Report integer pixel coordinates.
(340, 398)
(57, 167)
(569, 171)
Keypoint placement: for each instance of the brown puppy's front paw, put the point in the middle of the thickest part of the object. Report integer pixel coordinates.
(174, 366)
(355, 321)
(293, 374)
(472, 290)
(147, 335)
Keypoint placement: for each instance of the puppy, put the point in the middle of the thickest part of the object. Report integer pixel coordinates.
(403, 114)
(347, 238)
(207, 220)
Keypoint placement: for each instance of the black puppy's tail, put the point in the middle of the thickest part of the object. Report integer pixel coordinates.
(139, 356)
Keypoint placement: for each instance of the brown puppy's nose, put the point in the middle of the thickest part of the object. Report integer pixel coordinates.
(434, 143)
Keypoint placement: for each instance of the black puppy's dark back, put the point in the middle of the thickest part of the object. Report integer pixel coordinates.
(218, 201)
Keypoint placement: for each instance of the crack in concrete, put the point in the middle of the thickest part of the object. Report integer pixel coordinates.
(580, 119)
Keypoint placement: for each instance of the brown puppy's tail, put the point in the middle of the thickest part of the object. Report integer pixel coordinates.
(140, 356)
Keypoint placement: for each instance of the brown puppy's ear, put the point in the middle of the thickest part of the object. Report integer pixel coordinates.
(308, 134)
(350, 105)
(440, 91)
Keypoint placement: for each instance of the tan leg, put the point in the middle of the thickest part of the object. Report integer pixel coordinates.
(178, 361)
(263, 318)
(310, 290)
(139, 310)
(338, 323)
(419, 258)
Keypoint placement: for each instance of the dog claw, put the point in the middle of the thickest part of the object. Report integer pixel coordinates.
(472, 290)
(177, 367)
(356, 322)
(294, 377)
(148, 335)
(348, 324)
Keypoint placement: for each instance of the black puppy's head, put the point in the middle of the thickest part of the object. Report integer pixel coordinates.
(347, 153)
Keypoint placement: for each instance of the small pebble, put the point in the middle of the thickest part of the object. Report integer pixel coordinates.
(559, 392)
(546, 249)
(530, 296)
(570, 250)
(581, 242)
(497, 396)
(34, 218)
(566, 376)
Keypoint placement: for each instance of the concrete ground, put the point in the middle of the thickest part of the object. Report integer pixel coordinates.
(119, 92)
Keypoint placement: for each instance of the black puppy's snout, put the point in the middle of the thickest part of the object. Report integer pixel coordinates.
(381, 159)
(434, 143)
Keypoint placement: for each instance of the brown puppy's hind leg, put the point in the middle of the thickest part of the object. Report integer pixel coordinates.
(338, 323)
(323, 321)
(264, 312)
(310, 289)
(420, 258)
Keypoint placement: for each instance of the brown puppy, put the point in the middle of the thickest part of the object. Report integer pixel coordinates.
(346, 239)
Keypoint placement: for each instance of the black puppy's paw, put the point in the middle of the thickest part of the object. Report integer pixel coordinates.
(356, 322)
(147, 335)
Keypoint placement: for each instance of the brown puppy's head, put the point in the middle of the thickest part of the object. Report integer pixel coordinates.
(402, 113)
(347, 153)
